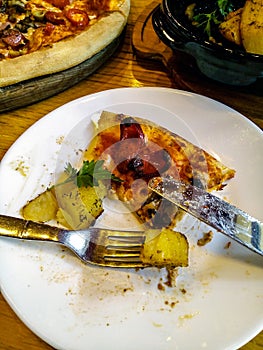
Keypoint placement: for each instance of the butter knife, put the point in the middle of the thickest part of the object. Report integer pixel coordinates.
(217, 213)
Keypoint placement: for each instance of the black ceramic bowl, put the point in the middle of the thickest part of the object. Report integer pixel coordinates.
(224, 62)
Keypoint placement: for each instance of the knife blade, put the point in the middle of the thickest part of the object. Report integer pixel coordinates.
(217, 213)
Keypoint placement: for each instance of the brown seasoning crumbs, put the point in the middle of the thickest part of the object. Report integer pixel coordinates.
(207, 237)
(172, 274)
(227, 245)
(160, 286)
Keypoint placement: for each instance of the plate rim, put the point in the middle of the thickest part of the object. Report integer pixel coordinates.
(87, 97)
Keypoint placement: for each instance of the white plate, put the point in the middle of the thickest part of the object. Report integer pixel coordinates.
(217, 302)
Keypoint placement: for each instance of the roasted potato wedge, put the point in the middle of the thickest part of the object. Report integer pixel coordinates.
(165, 248)
(251, 26)
(42, 208)
(72, 207)
(230, 28)
(78, 207)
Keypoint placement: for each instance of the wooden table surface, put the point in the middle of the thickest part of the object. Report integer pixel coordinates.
(122, 70)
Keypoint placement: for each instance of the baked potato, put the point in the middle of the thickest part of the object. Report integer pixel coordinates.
(42, 208)
(73, 207)
(251, 26)
(244, 26)
(165, 248)
(230, 28)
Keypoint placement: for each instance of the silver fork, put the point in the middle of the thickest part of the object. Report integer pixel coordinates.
(93, 245)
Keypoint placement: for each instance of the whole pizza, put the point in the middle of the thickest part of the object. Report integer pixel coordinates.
(39, 37)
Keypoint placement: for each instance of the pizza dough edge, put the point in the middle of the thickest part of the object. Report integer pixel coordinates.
(66, 53)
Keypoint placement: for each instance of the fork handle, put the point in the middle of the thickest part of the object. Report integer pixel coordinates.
(25, 229)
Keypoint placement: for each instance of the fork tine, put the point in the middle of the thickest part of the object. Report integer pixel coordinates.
(121, 249)
(129, 263)
(129, 243)
(127, 235)
(116, 258)
(119, 246)
(122, 244)
(121, 260)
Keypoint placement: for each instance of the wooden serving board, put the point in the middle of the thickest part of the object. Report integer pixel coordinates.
(185, 74)
(37, 89)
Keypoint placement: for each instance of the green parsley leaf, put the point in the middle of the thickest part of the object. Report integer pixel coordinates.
(225, 6)
(207, 20)
(89, 174)
(70, 171)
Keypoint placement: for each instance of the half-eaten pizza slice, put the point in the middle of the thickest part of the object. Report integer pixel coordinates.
(136, 150)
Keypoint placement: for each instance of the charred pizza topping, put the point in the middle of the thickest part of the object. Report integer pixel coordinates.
(13, 38)
(61, 4)
(129, 129)
(146, 165)
(78, 18)
(49, 28)
(55, 18)
(134, 153)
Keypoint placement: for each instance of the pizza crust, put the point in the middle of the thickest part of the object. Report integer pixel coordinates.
(66, 53)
